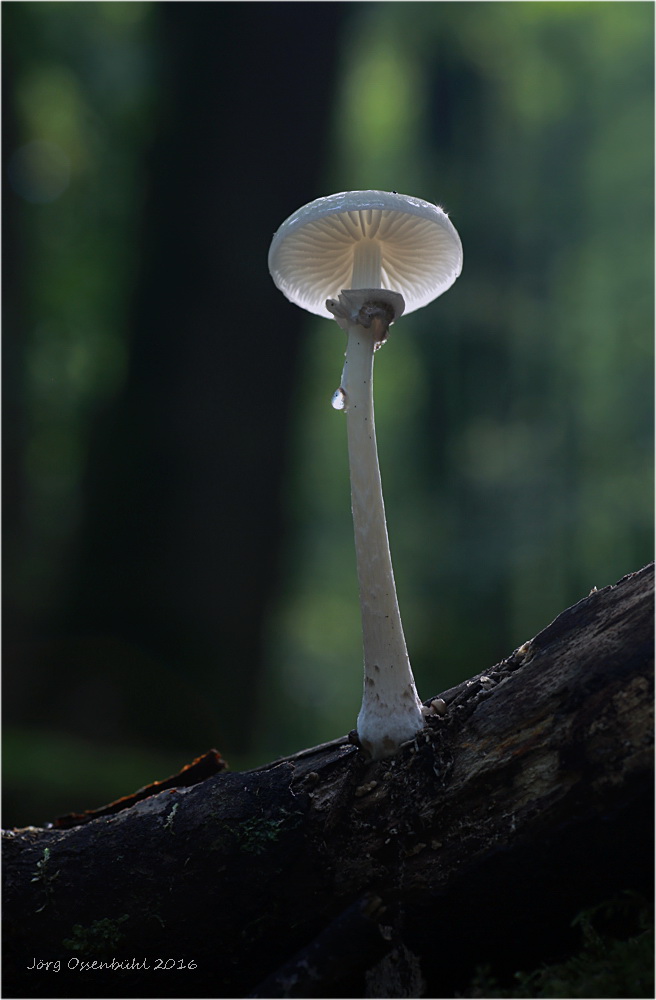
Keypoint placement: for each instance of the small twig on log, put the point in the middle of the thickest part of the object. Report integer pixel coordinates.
(191, 774)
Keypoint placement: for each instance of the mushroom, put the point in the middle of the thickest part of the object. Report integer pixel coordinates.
(364, 257)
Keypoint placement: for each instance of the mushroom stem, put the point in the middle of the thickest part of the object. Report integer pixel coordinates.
(391, 711)
(366, 264)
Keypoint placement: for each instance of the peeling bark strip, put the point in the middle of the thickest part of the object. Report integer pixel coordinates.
(199, 770)
(529, 799)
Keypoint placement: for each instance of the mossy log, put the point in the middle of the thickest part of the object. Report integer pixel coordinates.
(324, 875)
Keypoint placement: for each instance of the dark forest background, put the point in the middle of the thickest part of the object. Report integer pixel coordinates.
(178, 560)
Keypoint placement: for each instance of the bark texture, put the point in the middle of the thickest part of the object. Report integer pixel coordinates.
(323, 875)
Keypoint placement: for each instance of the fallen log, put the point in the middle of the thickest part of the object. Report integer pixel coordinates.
(325, 875)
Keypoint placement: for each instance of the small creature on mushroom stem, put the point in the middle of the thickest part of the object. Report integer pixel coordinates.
(365, 257)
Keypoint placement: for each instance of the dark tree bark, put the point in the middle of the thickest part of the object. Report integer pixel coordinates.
(323, 875)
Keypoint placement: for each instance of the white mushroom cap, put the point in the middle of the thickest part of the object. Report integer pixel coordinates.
(365, 239)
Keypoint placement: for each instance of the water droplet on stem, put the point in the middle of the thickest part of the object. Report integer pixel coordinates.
(338, 400)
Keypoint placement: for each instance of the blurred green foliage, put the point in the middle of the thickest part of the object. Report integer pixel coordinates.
(514, 415)
(83, 113)
(83, 103)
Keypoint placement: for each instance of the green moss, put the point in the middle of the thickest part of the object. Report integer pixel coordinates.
(605, 966)
(102, 937)
(256, 835)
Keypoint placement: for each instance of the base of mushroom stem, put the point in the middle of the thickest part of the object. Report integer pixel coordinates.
(365, 306)
(385, 739)
(435, 707)
(381, 750)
